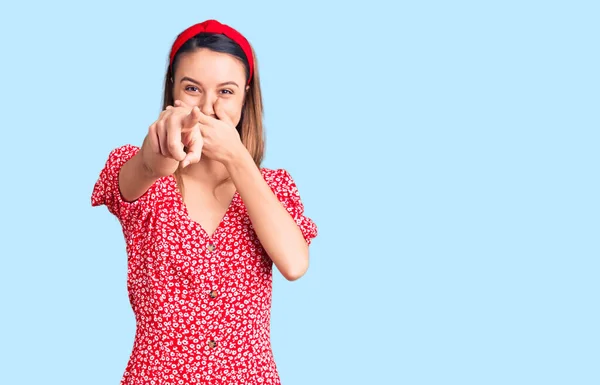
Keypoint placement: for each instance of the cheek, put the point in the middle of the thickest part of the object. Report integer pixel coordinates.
(233, 108)
(180, 94)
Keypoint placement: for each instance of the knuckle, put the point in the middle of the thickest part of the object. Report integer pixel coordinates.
(159, 127)
(164, 113)
(172, 119)
(173, 144)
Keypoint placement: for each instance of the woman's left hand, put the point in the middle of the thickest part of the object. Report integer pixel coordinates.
(221, 139)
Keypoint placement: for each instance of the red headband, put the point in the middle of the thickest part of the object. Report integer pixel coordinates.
(213, 26)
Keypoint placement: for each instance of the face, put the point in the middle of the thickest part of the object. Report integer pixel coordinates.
(204, 78)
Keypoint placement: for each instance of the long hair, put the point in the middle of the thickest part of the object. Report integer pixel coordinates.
(250, 126)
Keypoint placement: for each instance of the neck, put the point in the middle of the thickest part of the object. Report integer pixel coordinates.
(207, 171)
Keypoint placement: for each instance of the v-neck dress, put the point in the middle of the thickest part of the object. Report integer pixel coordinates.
(202, 304)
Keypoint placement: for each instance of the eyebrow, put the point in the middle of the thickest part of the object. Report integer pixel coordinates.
(186, 78)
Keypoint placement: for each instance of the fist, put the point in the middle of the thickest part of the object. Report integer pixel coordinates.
(176, 136)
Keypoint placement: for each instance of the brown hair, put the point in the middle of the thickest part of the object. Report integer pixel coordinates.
(250, 126)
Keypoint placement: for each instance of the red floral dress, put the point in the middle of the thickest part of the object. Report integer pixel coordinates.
(202, 303)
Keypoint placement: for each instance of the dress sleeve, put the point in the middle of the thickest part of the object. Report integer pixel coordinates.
(288, 194)
(106, 190)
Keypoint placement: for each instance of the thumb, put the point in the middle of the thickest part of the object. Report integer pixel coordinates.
(194, 146)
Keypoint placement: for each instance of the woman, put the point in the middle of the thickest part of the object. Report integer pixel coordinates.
(203, 222)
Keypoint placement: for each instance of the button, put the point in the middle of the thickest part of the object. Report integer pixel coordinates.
(213, 294)
(212, 344)
(211, 247)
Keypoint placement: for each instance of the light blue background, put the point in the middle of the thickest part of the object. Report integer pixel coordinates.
(448, 152)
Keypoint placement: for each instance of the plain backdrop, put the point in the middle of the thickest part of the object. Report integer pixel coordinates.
(447, 150)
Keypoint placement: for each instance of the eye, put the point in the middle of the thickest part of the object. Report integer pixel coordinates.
(227, 92)
(191, 88)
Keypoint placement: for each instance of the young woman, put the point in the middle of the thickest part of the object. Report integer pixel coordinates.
(204, 222)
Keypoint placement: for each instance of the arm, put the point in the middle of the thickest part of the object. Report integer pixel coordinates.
(136, 175)
(277, 231)
(162, 151)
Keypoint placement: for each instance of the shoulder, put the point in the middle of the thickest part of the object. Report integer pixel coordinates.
(282, 183)
(285, 189)
(123, 153)
(117, 157)
(276, 177)
(107, 191)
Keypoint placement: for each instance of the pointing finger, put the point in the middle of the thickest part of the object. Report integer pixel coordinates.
(192, 118)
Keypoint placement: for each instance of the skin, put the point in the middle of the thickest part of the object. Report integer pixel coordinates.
(198, 134)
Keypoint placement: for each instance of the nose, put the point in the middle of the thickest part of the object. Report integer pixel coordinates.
(207, 104)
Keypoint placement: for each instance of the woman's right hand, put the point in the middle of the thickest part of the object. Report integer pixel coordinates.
(172, 139)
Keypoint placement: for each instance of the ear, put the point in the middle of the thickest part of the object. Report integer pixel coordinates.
(245, 97)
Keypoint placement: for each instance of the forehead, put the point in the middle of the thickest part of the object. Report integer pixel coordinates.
(209, 66)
